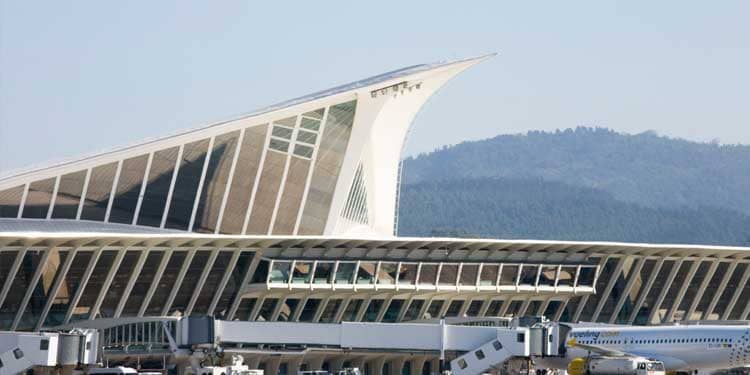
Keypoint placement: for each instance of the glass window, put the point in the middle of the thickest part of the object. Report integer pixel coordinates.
(243, 180)
(454, 308)
(407, 273)
(412, 313)
(345, 272)
(323, 272)
(68, 288)
(302, 272)
(289, 121)
(567, 276)
(303, 151)
(10, 201)
(387, 273)
(232, 289)
(167, 281)
(310, 124)
(38, 199)
(391, 313)
(69, 195)
(42, 290)
(190, 282)
(469, 274)
(142, 283)
(474, 307)
(330, 157)
(282, 132)
(119, 282)
(278, 145)
(98, 192)
(350, 313)
(306, 137)
(186, 185)
(280, 272)
(371, 314)
(433, 311)
(448, 274)
(489, 274)
(94, 285)
(509, 275)
(215, 182)
(548, 276)
(291, 196)
(157, 187)
(245, 308)
(329, 312)
(288, 307)
(266, 309)
(587, 276)
(428, 274)
(366, 273)
(128, 189)
(533, 308)
(514, 308)
(494, 308)
(528, 274)
(266, 194)
(211, 284)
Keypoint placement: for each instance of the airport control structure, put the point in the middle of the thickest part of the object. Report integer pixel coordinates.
(288, 216)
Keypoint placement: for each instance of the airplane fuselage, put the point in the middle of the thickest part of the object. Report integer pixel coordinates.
(689, 347)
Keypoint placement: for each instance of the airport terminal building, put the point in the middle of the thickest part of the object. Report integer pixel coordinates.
(290, 214)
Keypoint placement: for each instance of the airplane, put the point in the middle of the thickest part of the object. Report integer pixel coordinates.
(683, 348)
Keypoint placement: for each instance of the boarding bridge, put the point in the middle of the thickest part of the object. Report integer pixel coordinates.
(473, 346)
(20, 351)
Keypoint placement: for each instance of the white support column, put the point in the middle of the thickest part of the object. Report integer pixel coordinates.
(175, 172)
(667, 285)
(84, 191)
(256, 309)
(524, 306)
(32, 286)
(113, 191)
(645, 290)
(683, 289)
(202, 281)
(21, 206)
(108, 281)
(12, 274)
(131, 282)
(561, 309)
(614, 276)
(144, 182)
(82, 284)
(245, 280)
(342, 308)
(362, 309)
(702, 289)
(224, 280)
(201, 181)
(321, 307)
(155, 282)
(635, 273)
(178, 281)
(386, 304)
(54, 197)
(62, 272)
(737, 293)
(298, 311)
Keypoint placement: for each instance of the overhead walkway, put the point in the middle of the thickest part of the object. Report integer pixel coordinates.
(20, 351)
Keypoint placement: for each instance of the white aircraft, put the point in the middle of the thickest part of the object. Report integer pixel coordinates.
(681, 347)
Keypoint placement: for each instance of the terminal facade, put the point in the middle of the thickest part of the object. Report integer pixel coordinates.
(289, 214)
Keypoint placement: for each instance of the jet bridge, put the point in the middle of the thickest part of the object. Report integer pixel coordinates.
(466, 346)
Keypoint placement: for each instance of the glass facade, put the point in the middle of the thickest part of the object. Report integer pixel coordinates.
(157, 187)
(186, 185)
(69, 195)
(215, 183)
(10, 201)
(98, 192)
(38, 199)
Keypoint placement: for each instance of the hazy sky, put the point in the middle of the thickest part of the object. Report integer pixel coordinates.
(83, 76)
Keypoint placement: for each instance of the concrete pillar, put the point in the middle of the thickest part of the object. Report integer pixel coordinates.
(337, 364)
(293, 365)
(435, 366)
(272, 366)
(358, 362)
(417, 363)
(315, 362)
(376, 365)
(397, 365)
(252, 361)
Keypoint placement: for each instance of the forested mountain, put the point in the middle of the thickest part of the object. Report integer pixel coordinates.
(582, 184)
